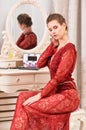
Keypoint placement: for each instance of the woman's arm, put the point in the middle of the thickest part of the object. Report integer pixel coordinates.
(20, 39)
(43, 59)
(27, 41)
(32, 99)
(65, 67)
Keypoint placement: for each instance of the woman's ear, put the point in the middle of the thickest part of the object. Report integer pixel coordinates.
(64, 25)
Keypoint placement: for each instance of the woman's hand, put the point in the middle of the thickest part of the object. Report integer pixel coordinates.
(55, 42)
(32, 99)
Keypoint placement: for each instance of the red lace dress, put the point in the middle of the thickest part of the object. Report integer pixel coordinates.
(58, 98)
(27, 41)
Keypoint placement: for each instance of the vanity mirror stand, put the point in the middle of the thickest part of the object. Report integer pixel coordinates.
(11, 54)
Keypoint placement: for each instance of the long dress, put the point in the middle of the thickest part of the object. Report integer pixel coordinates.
(27, 41)
(59, 97)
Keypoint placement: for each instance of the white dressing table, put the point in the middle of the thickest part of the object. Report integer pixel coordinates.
(13, 80)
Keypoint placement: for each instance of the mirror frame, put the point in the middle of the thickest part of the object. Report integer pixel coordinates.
(8, 38)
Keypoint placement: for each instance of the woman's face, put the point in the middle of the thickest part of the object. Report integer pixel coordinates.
(22, 26)
(56, 30)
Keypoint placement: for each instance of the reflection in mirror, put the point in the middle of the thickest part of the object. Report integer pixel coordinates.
(28, 39)
(33, 12)
(12, 31)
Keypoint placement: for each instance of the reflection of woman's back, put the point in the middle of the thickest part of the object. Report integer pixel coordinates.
(28, 38)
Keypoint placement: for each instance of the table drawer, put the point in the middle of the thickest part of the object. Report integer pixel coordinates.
(17, 79)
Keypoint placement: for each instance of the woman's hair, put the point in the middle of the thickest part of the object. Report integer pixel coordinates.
(25, 19)
(60, 19)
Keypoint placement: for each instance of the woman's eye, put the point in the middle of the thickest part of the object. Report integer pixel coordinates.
(55, 27)
(50, 30)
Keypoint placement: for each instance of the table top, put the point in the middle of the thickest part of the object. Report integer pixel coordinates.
(22, 71)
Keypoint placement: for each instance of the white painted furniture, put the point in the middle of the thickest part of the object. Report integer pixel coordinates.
(78, 120)
(12, 80)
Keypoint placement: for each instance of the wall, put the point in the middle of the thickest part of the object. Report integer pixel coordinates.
(4, 9)
(83, 59)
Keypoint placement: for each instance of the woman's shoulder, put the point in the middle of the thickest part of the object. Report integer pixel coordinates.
(70, 45)
(69, 48)
(32, 33)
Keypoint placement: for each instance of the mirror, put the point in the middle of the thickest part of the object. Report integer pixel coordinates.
(33, 12)
(12, 31)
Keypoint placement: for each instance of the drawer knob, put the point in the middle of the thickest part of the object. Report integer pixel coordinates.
(18, 80)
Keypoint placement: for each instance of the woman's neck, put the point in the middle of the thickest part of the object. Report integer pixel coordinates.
(62, 42)
(27, 30)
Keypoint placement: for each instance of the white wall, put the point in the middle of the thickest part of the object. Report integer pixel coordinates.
(83, 50)
(5, 6)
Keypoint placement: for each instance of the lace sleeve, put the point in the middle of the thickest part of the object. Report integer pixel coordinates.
(20, 39)
(27, 42)
(43, 59)
(65, 67)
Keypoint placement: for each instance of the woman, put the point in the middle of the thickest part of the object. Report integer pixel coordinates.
(28, 38)
(50, 108)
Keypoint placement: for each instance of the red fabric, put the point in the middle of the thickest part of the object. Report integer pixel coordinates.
(59, 96)
(27, 41)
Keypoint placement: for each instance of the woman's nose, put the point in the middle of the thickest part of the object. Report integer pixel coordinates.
(53, 31)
